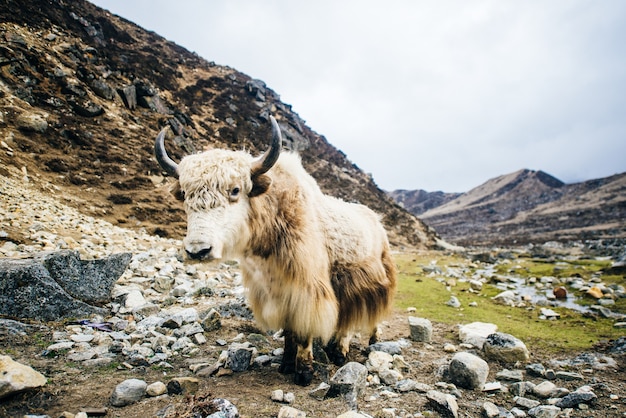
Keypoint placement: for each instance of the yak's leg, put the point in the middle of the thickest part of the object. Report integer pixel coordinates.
(374, 336)
(304, 363)
(337, 349)
(288, 365)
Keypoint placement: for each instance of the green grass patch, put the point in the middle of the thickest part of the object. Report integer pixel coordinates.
(428, 292)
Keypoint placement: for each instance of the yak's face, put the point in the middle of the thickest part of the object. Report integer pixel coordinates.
(215, 187)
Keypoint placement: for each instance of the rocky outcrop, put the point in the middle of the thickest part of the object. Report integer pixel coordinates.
(60, 285)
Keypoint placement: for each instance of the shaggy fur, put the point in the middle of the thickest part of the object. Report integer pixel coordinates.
(312, 264)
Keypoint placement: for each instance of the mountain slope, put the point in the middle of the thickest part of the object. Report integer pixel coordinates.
(83, 94)
(532, 206)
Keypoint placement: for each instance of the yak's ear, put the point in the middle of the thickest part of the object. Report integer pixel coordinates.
(260, 184)
(177, 191)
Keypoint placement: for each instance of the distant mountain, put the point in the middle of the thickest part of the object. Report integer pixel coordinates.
(524, 207)
(420, 201)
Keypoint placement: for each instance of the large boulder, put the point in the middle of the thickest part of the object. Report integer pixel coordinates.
(16, 377)
(57, 286)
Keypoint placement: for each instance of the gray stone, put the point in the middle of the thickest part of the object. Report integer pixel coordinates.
(476, 333)
(569, 376)
(521, 388)
(128, 392)
(28, 291)
(468, 371)
(490, 410)
(349, 381)
(390, 376)
(526, 402)
(505, 348)
(239, 358)
(510, 375)
(88, 280)
(536, 369)
(16, 377)
(289, 412)
(389, 347)
(544, 411)
(575, 398)
(445, 404)
(225, 409)
(545, 389)
(320, 391)
(421, 329)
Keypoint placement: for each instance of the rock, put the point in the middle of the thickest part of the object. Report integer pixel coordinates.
(454, 302)
(508, 297)
(183, 385)
(239, 357)
(86, 108)
(581, 395)
(390, 376)
(536, 369)
(320, 391)
(289, 412)
(595, 292)
(444, 404)
(476, 333)
(544, 411)
(129, 96)
(389, 347)
(88, 280)
(27, 291)
(277, 395)
(545, 389)
(211, 321)
(526, 403)
(156, 389)
(102, 89)
(505, 348)
(378, 361)
(468, 371)
(560, 292)
(510, 375)
(352, 414)
(568, 376)
(549, 314)
(421, 329)
(16, 377)
(225, 409)
(349, 381)
(490, 410)
(128, 392)
(32, 122)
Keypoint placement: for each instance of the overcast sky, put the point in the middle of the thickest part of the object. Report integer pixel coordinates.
(434, 95)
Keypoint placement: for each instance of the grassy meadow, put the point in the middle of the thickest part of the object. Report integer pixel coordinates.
(428, 291)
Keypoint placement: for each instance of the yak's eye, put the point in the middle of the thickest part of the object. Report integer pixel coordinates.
(234, 194)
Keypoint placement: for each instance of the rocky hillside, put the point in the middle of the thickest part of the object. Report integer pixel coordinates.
(527, 207)
(83, 94)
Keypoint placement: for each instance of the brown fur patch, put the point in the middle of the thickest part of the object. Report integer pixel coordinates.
(276, 224)
(364, 291)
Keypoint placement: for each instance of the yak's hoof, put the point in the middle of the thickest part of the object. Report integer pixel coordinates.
(287, 368)
(339, 359)
(335, 355)
(303, 377)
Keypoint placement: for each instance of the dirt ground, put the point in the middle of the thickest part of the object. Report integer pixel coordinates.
(72, 388)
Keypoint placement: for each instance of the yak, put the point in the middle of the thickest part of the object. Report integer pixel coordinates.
(312, 265)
